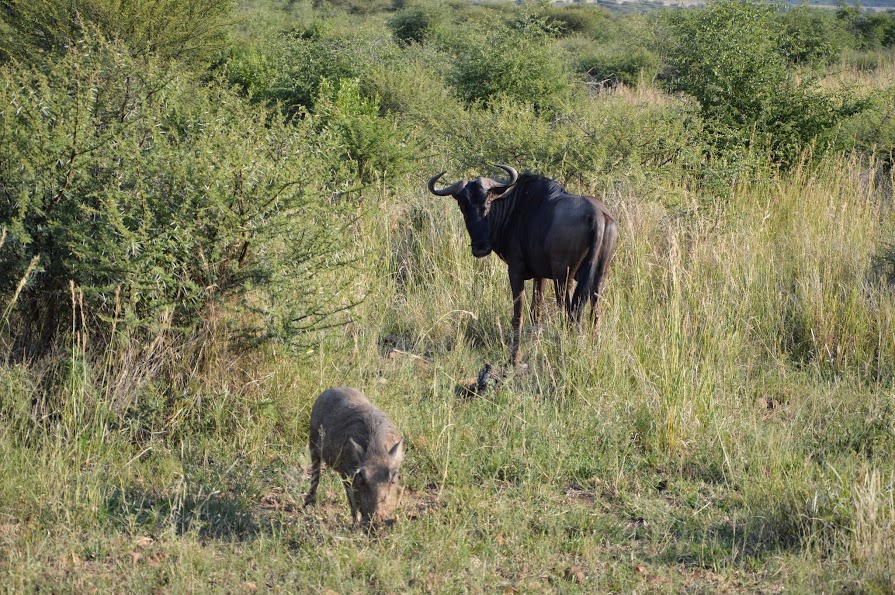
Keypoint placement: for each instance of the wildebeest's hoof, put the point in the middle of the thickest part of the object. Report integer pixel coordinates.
(486, 379)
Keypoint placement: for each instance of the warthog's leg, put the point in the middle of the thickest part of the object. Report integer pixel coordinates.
(537, 297)
(311, 498)
(517, 284)
(350, 493)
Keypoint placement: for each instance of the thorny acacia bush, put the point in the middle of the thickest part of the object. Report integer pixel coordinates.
(731, 58)
(134, 181)
(641, 141)
(517, 60)
(191, 30)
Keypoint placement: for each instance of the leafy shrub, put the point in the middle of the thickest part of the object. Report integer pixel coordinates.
(611, 138)
(576, 20)
(181, 29)
(361, 7)
(375, 146)
(519, 62)
(729, 56)
(416, 24)
(872, 131)
(812, 35)
(619, 64)
(871, 30)
(289, 69)
(412, 85)
(160, 198)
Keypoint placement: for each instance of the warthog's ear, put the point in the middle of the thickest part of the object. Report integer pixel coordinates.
(397, 451)
(356, 451)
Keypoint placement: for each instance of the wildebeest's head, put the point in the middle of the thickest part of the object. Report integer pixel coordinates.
(474, 198)
(375, 486)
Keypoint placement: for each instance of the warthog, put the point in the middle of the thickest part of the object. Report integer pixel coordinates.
(356, 439)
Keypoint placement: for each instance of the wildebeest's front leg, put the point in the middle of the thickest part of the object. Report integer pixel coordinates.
(537, 297)
(517, 285)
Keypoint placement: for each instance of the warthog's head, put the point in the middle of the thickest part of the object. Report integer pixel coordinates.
(474, 198)
(374, 486)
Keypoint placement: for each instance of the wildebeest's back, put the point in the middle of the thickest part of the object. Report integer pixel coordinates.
(549, 230)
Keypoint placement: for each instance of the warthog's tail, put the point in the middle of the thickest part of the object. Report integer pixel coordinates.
(591, 275)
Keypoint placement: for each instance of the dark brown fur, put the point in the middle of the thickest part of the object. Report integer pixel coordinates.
(541, 232)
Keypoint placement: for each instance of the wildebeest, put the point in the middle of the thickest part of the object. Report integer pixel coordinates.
(541, 232)
(359, 442)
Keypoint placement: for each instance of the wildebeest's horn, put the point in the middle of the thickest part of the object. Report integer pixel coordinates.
(513, 174)
(452, 189)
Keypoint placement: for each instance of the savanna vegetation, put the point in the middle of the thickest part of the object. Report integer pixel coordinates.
(211, 210)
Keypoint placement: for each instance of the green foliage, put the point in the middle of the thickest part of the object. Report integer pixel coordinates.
(417, 23)
(872, 131)
(516, 60)
(374, 146)
(289, 68)
(812, 35)
(871, 30)
(582, 19)
(642, 144)
(730, 57)
(619, 64)
(357, 7)
(191, 30)
(412, 85)
(157, 197)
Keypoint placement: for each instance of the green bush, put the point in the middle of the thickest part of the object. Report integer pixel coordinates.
(518, 61)
(872, 132)
(729, 56)
(415, 24)
(812, 35)
(871, 30)
(180, 29)
(619, 64)
(288, 69)
(158, 197)
(359, 7)
(609, 139)
(576, 20)
(375, 147)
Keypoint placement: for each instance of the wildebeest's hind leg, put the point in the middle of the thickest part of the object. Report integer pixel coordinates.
(517, 284)
(311, 498)
(562, 283)
(537, 297)
(610, 235)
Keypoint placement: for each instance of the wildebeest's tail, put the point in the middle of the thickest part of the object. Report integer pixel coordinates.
(592, 275)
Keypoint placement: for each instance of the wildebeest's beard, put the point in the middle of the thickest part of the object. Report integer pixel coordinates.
(479, 236)
(474, 205)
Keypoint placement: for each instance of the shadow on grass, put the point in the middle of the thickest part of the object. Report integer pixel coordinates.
(212, 515)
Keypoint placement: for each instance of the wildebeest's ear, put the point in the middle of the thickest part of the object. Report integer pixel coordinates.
(356, 451)
(397, 451)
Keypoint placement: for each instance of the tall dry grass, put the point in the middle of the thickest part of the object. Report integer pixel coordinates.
(722, 418)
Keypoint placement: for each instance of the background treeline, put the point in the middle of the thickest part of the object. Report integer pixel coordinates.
(210, 210)
(166, 155)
